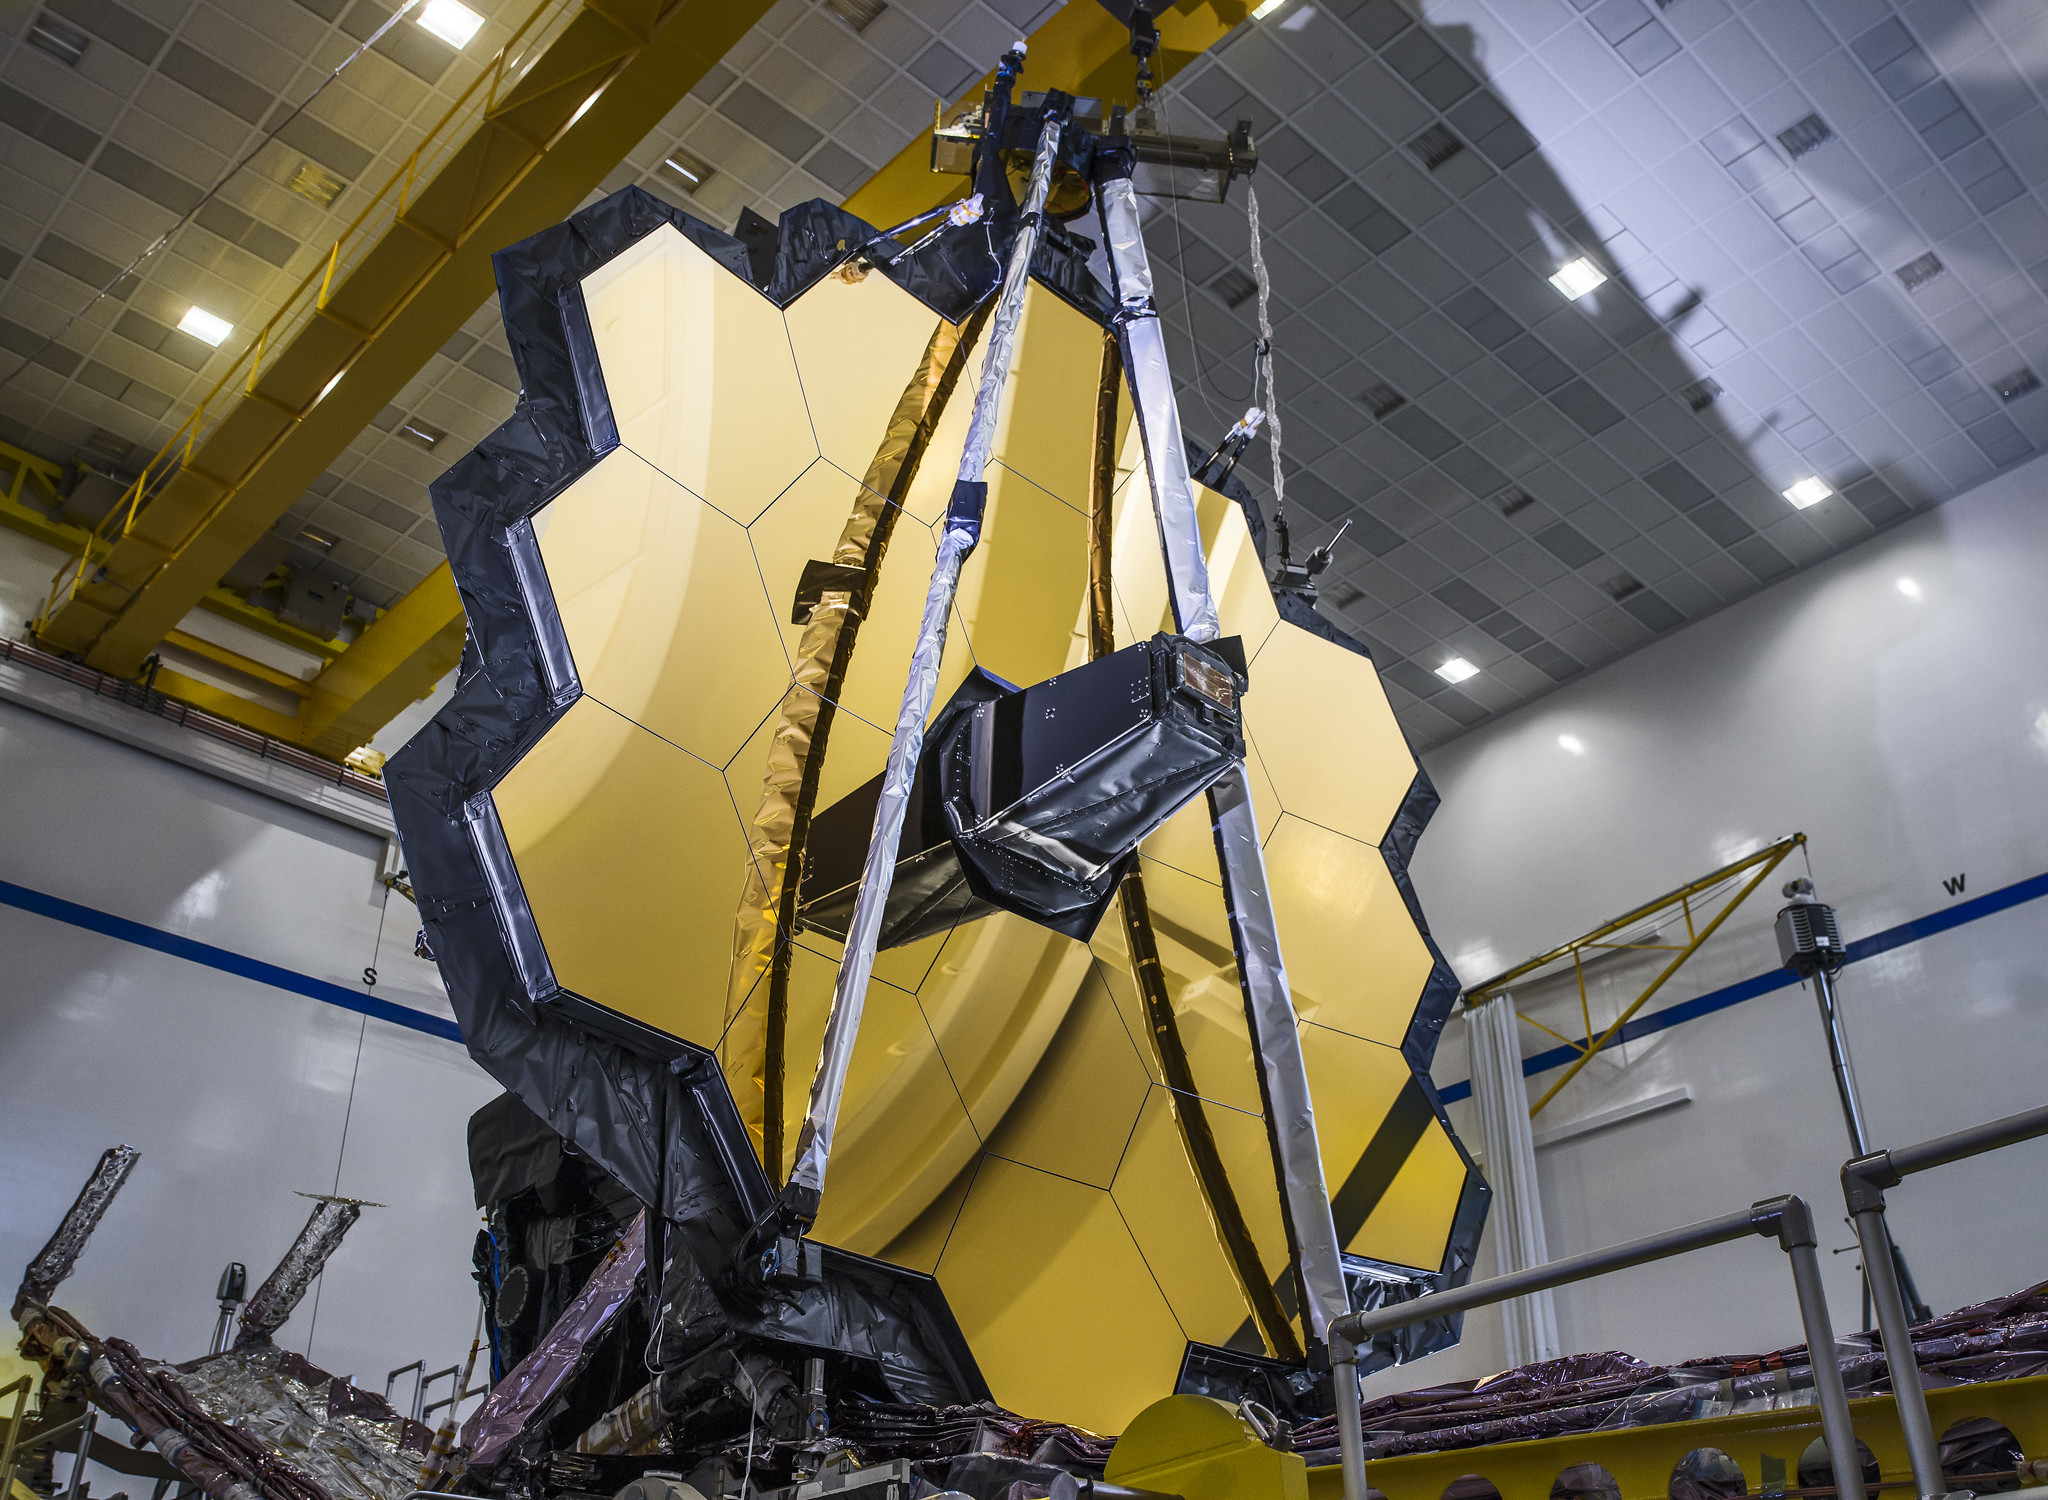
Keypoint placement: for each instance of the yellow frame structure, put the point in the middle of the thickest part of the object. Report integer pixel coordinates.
(1602, 939)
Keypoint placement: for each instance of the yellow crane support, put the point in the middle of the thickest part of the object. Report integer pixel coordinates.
(577, 86)
(595, 79)
(1084, 50)
(1613, 937)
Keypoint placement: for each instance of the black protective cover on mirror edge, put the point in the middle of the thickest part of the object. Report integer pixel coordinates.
(654, 1112)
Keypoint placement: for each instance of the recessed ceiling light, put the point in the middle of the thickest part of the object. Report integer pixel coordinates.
(451, 21)
(1575, 278)
(1267, 9)
(316, 183)
(687, 171)
(1910, 588)
(1809, 491)
(1572, 743)
(1457, 669)
(205, 327)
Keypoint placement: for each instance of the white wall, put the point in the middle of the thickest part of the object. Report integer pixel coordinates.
(1908, 738)
(239, 1095)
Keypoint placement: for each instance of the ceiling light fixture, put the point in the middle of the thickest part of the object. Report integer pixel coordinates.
(1572, 743)
(1910, 588)
(1267, 9)
(205, 327)
(1809, 491)
(451, 21)
(1457, 670)
(1575, 278)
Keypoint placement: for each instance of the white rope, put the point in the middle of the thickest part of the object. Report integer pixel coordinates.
(1265, 364)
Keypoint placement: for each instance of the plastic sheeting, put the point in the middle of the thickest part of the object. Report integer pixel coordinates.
(514, 1400)
(349, 1441)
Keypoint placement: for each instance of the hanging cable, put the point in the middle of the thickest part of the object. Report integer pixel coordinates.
(211, 193)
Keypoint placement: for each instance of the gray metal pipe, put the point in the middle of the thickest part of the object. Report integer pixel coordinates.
(1893, 1326)
(1843, 1456)
(1864, 1181)
(1787, 1219)
(1350, 1423)
(1838, 1056)
(1990, 1136)
(1358, 1327)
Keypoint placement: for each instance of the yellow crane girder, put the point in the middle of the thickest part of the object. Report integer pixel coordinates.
(363, 324)
(580, 83)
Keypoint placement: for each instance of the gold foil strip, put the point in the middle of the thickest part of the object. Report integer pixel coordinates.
(751, 1052)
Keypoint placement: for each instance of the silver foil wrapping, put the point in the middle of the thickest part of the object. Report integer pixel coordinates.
(1166, 457)
(1269, 1009)
(1002, 333)
(352, 1457)
(55, 1260)
(265, 1312)
(513, 1400)
(849, 992)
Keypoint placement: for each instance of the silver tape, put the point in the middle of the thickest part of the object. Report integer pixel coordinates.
(1128, 263)
(1002, 333)
(1269, 1009)
(1166, 453)
(849, 992)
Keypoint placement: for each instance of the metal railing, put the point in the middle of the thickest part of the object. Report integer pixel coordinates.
(149, 700)
(1790, 1222)
(1787, 1220)
(1863, 1183)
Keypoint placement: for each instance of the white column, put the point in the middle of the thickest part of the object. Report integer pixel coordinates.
(1497, 1089)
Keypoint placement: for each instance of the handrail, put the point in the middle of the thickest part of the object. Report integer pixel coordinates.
(20, 1390)
(1864, 1180)
(1786, 1219)
(295, 311)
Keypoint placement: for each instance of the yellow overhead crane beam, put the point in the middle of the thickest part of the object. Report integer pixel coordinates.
(580, 83)
(1084, 50)
(183, 523)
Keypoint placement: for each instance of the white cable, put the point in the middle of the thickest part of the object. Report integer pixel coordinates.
(753, 1412)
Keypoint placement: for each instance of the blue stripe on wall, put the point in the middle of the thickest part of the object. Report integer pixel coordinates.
(1989, 904)
(145, 936)
(289, 980)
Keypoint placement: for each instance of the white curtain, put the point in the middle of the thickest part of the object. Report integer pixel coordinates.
(1503, 1101)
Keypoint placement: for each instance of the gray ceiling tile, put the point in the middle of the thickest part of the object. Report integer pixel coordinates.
(1317, 41)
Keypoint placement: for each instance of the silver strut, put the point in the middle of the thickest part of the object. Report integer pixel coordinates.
(1283, 1076)
(962, 530)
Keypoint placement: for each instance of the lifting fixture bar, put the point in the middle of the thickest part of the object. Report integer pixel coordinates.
(806, 1185)
(1254, 934)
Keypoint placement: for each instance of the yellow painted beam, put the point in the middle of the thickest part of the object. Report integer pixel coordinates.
(232, 606)
(399, 658)
(1084, 50)
(517, 153)
(234, 661)
(226, 705)
(396, 661)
